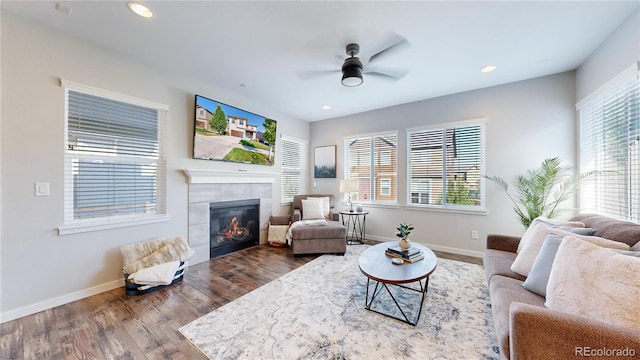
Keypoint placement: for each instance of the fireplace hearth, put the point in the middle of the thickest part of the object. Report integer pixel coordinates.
(233, 225)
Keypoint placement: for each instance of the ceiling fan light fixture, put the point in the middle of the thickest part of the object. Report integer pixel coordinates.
(352, 72)
(351, 79)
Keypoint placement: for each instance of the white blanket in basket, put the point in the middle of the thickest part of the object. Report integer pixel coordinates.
(162, 274)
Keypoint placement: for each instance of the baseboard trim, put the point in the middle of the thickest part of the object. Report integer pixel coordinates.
(57, 301)
(447, 249)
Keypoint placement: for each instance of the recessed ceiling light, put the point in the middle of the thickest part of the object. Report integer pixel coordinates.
(326, 107)
(488, 68)
(139, 9)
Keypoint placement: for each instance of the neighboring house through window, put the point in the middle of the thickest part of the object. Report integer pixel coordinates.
(114, 160)
(445, 164)
(610, 149)
(371, 159)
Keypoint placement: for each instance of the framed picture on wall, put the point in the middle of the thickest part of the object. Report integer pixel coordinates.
(324, 162)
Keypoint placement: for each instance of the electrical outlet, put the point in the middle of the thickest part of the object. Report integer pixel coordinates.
(474, 234)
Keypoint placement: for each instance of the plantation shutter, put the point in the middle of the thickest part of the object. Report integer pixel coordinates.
(359, 166)
(464, 162)
(445, 166)
(384, 167)
(426, 166)
(114, 161)
(609, 147)
(291, 181)
(372, 160)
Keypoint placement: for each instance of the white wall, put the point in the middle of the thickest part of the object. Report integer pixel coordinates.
(40, 269)
(614, 55)
(528, 121)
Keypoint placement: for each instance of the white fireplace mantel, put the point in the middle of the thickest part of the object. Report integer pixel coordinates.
(198, 176)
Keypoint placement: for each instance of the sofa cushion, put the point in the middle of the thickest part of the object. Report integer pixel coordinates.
(598, 283)
(498, 262)
(623, 231)
(333, 230)
(548, 222)
(524, 261)
(539, 274)
(503, 292)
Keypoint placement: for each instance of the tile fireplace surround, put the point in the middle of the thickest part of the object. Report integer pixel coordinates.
(206, 186)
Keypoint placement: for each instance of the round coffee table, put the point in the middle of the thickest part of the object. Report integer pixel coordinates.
(377, 267)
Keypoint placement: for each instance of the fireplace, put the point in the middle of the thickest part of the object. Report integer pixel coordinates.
(233, 225)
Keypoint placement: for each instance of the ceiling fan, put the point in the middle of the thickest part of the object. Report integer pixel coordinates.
(353, 69)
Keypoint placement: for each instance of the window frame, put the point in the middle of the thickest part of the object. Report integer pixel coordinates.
(445, 207)
(371, 162)
(73, 226)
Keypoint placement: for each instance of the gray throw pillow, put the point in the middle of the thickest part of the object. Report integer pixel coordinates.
(578, 231)
(538, 277)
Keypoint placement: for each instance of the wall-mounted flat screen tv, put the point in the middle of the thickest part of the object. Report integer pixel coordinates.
(226, 133)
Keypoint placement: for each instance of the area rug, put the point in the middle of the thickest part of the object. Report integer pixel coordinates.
(317, 312)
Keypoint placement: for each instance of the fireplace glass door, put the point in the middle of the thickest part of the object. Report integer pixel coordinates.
(234, 225)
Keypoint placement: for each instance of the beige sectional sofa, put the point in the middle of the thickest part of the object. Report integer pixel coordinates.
(526, 329)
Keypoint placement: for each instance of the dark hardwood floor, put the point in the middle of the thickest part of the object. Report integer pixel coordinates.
(112, 325)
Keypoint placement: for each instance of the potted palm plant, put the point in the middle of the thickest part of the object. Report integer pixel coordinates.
(541, 190)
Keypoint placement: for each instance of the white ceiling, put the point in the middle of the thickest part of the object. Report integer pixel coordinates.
(267, 44)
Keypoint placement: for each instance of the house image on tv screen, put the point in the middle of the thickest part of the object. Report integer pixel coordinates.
(223, 132)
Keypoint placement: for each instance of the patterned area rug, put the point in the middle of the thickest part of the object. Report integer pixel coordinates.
(317, 312)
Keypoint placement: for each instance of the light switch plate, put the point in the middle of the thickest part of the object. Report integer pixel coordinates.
(42, 189)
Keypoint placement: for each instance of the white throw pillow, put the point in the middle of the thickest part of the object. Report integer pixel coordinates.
(549, 222)
(326, 206)
(594, 282)
(312, 209)
(527, 256)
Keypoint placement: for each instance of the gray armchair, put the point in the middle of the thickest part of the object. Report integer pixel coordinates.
(317, 239)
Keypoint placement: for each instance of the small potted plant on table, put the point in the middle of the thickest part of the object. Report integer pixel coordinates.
(403, 233)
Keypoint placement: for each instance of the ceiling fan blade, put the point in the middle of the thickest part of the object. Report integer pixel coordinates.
(313, 74)
(395, 74)
(389, 50)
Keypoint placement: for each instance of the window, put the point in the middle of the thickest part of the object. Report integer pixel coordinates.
(372, 160)
(385, 187)
(292, 152)
(114, 159)
(609, 149)
(445, 165)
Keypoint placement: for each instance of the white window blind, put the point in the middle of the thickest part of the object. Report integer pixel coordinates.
(114, 162)
(445, 166)
(609, 137)
(372, 159)
(291, 179)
